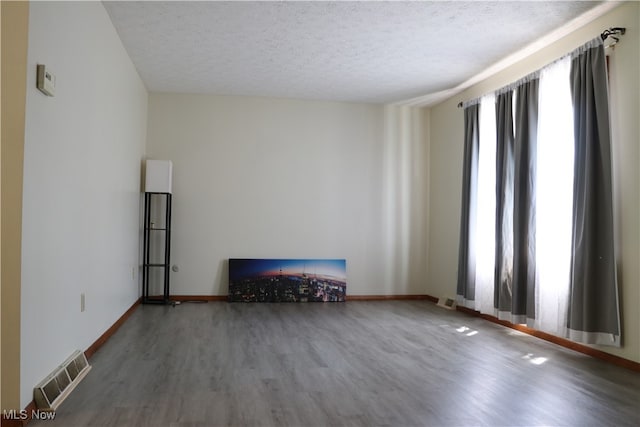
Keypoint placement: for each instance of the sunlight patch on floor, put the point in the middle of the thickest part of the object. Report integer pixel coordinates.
(535, 360)
(467, 331)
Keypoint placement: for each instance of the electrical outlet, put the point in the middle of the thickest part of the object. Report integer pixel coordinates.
(82, 302)
(46, 80)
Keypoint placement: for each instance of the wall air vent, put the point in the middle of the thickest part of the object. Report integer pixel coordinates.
(448, 303)
(55, 388)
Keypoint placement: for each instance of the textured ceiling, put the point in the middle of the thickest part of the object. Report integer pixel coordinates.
(343, 51)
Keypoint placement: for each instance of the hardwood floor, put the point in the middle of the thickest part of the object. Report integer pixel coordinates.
(376, 363)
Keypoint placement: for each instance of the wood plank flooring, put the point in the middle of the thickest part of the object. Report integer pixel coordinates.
(376, 363)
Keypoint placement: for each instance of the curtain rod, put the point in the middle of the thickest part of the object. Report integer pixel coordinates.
(612, 32)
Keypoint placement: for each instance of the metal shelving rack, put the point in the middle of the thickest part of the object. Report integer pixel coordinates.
(148, 264)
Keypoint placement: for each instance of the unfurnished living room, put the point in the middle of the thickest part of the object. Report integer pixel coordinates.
(369, 213)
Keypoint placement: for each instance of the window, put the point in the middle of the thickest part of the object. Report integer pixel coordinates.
(536, 242)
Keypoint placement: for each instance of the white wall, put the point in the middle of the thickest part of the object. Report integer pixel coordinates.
(281, 178)
(446, 165)
(83, 151)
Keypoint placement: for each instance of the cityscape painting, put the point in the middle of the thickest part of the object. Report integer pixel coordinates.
(287, 280)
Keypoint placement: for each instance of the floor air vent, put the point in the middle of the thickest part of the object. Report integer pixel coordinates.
(54, 389)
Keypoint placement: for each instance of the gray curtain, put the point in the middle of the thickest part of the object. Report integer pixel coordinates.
(593, 315)
(505, 141)
(514, 291)
(468, 217)
(524, 210)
